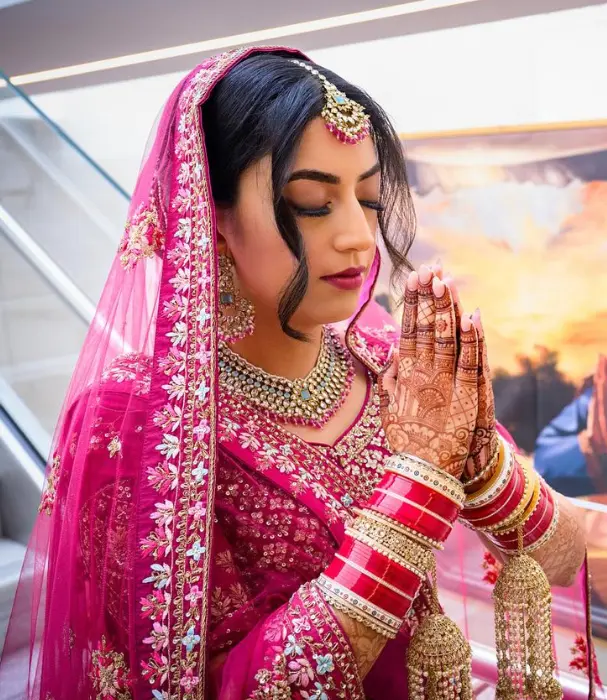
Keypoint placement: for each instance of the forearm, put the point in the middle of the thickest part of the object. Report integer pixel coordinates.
(562, 556)
(366, 644)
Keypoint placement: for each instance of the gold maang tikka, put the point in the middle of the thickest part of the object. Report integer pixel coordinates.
(344, 118)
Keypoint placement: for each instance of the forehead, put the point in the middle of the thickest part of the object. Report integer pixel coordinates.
(320, 150)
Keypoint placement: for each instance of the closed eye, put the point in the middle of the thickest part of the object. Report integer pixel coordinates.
(302, 211)
(326, 210)
(376, 206)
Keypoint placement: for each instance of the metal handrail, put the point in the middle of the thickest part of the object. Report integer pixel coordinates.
(62, 134)
(45, 265)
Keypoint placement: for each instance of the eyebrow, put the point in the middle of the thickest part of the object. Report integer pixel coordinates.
(329, 178)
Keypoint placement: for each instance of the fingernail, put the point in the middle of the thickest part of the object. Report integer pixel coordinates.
(412, 281)
(438, 287)
(466, 323)
(424, 274)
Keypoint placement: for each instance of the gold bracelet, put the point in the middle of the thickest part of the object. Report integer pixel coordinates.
(511, 523)
(533, 506)
(487, 469)
(382, 548)
(390, 535)
(498, 482)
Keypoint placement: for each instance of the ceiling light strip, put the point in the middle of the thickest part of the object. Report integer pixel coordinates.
(262, 35)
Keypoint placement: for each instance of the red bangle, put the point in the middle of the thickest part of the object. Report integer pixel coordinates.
(504, 504)
(411, 515)
(422, 494)
(379, 565)
(364, 586)
(535, 527)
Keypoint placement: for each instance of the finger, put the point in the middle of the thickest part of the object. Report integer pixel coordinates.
(407, 347)
(445, 331)
(426, 316)
(386, 383)
(437, 269)
(467, 363)
(450, 282)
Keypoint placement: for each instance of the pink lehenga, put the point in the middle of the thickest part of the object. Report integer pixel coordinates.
(180, 531)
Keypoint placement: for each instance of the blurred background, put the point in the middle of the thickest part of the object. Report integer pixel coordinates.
(502, 109)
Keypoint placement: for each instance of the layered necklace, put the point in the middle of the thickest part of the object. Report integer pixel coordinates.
(311, 401)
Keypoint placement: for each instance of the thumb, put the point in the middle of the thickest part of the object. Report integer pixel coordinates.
(386, 382)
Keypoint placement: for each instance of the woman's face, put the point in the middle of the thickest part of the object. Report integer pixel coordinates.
(333, 191)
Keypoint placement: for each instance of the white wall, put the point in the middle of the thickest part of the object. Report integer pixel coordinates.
(546, 68)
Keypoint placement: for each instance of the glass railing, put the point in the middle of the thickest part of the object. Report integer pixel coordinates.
(61, 216)
(43, 321)
(71, 208)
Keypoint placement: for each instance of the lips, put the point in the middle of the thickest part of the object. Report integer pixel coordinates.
(349, 279)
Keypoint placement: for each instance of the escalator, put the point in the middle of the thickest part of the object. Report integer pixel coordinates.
(60, 219)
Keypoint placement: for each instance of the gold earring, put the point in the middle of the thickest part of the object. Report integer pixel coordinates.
(236, 314)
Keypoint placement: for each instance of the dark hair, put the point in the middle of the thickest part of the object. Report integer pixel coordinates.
(261, 108)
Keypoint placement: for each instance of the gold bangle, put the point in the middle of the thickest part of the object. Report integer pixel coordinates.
(417, 555)
(512, 522)
(529, 549)
(533, 506)
(403, 530)
(498, 482)
(381, 549)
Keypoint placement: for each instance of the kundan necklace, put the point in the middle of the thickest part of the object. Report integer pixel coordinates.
(312, 400)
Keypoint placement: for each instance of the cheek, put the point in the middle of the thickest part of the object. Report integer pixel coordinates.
(263, 260)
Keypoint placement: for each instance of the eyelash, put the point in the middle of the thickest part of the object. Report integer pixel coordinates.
(324, 211)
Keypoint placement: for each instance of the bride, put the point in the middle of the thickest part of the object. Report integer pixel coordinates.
(253, 468)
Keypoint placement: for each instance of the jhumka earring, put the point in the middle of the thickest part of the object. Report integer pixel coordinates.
(344, 118)
(236, 314)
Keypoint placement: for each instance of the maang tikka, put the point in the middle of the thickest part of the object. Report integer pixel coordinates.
(344, 118)
(236, 314)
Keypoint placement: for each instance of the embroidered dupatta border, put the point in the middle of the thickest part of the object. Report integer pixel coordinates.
(180, 451)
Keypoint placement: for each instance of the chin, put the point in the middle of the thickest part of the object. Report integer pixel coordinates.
(339, 314)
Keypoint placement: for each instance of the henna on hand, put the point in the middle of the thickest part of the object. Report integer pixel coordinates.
(485, 438)
(429, 392)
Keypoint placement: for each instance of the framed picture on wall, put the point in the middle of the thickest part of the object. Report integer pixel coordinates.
(518, 216)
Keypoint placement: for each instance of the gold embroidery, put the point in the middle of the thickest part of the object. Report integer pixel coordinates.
(109, 673)
(142, 236)
(50, 492)
(114, 446)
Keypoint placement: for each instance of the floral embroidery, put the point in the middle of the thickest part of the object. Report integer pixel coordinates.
(114, 446)
(315, 663)
(579, 660)
(492, 568)
(50, 491)
(142, 236)
(131, 367)
(110, 674)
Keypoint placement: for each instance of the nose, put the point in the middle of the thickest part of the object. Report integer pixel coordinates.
(355, 228)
